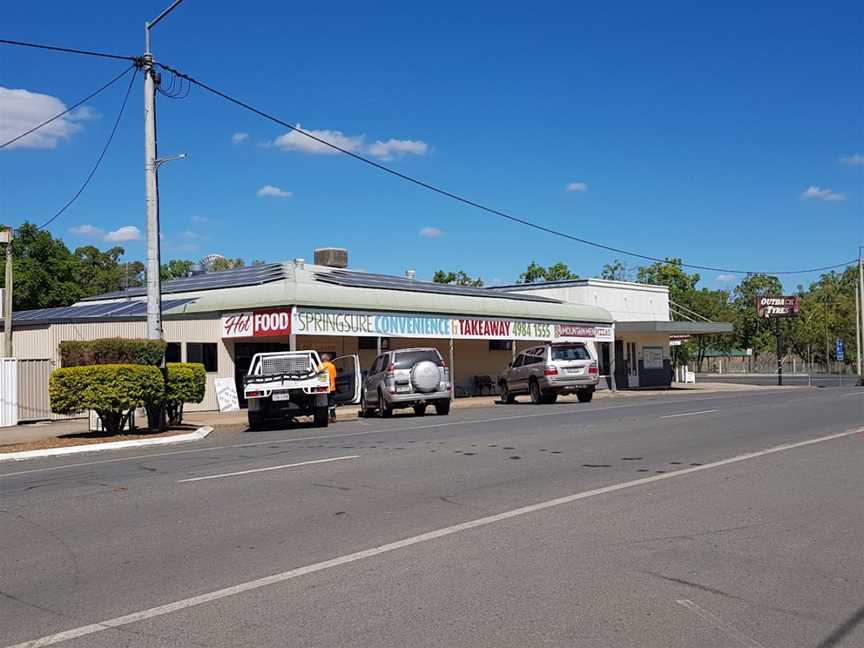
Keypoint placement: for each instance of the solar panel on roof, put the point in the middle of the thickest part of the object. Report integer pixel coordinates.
(352, 279)
(110, 310)
(237, 277)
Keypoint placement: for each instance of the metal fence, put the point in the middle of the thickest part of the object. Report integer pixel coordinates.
(8, 392)
(34, 403)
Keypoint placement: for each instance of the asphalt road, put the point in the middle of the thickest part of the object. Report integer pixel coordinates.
(607, 524)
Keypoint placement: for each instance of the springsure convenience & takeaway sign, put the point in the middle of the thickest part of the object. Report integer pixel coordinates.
(374, 324)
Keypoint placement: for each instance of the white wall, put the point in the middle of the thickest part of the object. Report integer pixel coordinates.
(628, 302)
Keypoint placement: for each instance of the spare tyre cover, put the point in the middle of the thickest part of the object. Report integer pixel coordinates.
(425, 376)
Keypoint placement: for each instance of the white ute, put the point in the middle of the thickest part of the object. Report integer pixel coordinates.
(287, 384)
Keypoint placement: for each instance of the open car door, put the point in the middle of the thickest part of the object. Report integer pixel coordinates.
(348, 380)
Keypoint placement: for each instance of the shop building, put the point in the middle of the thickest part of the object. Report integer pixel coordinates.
(222, 319)
(645, 332)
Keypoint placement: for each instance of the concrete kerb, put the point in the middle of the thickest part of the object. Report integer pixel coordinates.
(197, 435)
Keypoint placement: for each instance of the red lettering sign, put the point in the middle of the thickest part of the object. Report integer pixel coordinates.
(263, 323)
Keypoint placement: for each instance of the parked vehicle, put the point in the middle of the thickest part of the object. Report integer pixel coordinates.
(287, 384)
(544, 372)
(406, 378)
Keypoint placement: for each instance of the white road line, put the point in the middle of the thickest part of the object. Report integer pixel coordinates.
(720, 624)
(689, 414)
(258, 470)
(861, 393)
(281, 577)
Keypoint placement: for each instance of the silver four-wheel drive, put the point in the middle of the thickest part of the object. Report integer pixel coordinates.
(406, 378)
(544, 372)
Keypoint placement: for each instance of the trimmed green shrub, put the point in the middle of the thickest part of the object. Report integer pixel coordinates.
(113, 391)
(186, 383)
(111, 351)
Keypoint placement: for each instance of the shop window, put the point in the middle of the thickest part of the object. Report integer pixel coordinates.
(500, 345)
(203, 352)
(172, 352)
(371, 343)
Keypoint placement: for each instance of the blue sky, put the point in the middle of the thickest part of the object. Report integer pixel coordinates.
(715, 134)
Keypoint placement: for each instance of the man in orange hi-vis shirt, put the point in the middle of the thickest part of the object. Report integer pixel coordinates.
(328, 366)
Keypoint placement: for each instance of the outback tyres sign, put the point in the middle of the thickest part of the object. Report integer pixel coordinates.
(258, 323)
(777, 306)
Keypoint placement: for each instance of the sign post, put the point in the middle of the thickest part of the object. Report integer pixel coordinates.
(774, 307)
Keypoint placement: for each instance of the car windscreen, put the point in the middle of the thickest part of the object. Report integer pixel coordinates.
(408, 359)
(574, 352)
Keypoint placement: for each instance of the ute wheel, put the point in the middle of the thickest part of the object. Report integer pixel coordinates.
(442, 408)
(384, 410)
(548, 399)
(364, 406)
(420, 409)
(585, 395)
(507, 397)
(322, 417)
(256, 420)
(536, 394)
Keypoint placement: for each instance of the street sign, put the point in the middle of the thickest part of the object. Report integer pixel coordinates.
(777, 306)
(840, 350)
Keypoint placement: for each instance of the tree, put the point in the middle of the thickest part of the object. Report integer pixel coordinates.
(670, 274)
(615, 271)
(751, 331)
(221, 263)
(176, 269)
(45, 271)
(459, 278)
(556, 272)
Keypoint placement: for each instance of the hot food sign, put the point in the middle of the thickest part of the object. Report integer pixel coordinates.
(777, 306)
(258, 323)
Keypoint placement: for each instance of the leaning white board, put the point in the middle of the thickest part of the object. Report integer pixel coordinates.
(226, 393)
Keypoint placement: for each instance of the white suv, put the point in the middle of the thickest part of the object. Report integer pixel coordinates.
(544, 372)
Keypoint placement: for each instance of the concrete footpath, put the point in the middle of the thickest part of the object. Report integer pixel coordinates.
(234, 422)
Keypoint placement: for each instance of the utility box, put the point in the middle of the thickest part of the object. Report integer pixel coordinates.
(8, 392)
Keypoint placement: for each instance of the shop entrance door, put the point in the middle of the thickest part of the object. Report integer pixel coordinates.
(243, 352)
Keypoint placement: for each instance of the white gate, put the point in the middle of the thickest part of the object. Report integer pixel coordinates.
(8, 392)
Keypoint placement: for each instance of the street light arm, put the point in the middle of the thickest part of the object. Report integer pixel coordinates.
(164, 13)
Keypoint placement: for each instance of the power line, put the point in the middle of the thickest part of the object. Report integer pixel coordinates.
(472, 203)
(101, 155)
(68, 50)
(70, 108)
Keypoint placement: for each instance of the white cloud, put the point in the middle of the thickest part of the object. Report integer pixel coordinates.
(22, 110)
(186, 247)
(238, 138)
(727, 277)
(87, 231)
(273, 192)
(855, 159)
(431, 232)
(818, 193)
(294, 141)
(189, 234)
(577, 186)
(125, 233)
(200, 219)
(397, 148)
